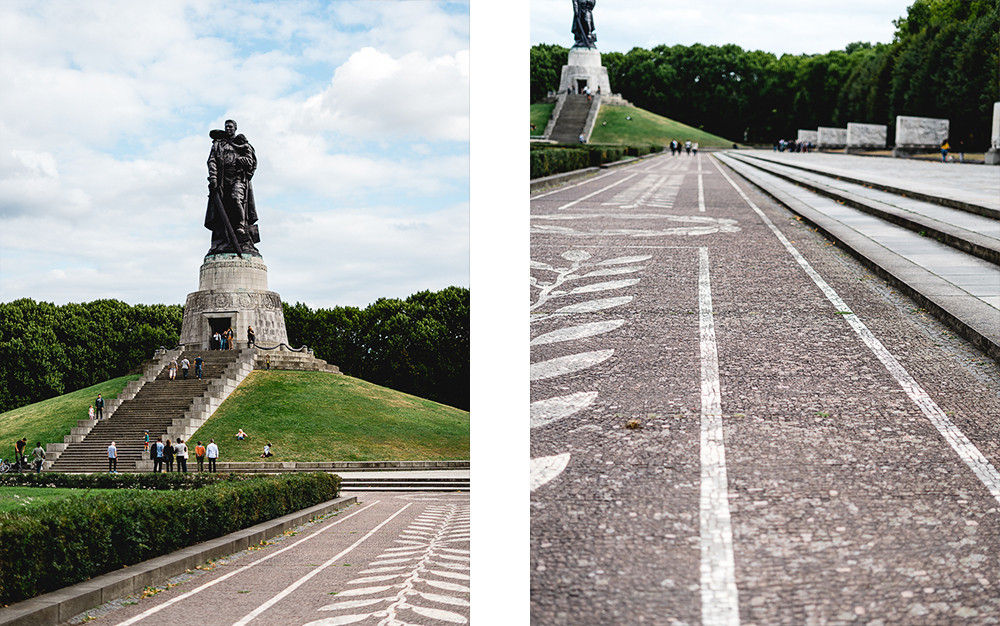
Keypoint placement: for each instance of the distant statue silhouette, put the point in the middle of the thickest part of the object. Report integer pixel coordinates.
(583, 24)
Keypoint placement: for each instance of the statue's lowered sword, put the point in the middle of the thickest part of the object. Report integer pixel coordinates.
(230, 233)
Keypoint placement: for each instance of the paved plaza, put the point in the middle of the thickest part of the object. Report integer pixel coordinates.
(734, 422)
(392, 558)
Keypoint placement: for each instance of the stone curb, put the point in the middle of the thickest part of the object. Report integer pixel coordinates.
(969, 242)
(970, 317)
(61, 605)
(948, 202)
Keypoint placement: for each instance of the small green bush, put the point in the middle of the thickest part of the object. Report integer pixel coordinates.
(74, 539)
(556, 160)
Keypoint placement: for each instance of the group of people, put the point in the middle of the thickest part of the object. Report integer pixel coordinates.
(185, 366)
(21, 461)
(163, 454)
(225, 339)
(677, 147)
(96, 410)
(242, 436)
(793, 146)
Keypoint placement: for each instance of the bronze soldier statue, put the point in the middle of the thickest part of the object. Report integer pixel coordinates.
(583, 24)
(231, 214)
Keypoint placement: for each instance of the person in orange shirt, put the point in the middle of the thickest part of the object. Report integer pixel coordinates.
(199, 454)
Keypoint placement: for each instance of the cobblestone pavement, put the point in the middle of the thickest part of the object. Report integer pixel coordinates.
(394, 558)
(734, 423)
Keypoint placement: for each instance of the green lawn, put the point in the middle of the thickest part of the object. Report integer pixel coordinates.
(647, 128)
(540, 114)
(49, 421)
(316, 416)
(22, 498)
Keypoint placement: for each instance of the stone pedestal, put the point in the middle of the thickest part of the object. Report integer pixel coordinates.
(915, 135)
(232, 292)
(829, 138)
(583, 68)
(861, 137)
(993, 155)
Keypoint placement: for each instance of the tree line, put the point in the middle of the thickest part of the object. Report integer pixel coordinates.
(943, 62)
(419, 345)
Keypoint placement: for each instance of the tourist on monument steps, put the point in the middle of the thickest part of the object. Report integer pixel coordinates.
(229, 338)
(199, 455)
(185, 366)
(251, 337)
(168, 455)
(145, 441)
(213, 453)
(112, 459)
(39, 454)
(158, 455)
(182, 455)
(198, 362)
(19, 447)
(90, 413)
(172, 371)
(99, 405)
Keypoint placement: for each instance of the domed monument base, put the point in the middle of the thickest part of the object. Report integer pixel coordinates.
(584, 69)
(232, 293)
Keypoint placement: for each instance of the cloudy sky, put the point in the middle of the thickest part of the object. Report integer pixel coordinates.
(778, 26)
(358, 112)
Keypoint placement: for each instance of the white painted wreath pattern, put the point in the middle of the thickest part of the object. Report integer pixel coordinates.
(425, 573)
(544, 469)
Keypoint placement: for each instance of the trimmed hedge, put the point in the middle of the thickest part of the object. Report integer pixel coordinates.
(70, 540)
(550, 159)
(159, 481)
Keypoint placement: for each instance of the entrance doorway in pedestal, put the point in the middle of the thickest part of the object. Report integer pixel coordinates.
(218, 325)
(581, 84)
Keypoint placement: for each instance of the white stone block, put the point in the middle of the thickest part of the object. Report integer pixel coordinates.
(866, 135)
(920, 132)
(808, 136)
(831, 137)
(995, 135)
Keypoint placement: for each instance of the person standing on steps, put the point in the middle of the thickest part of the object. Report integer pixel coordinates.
(145, 441)
(213, 454)
(158, 455)
(229, 337)
(90, 413)
(199, 454)
(99, 405)
(251, 337)
(198, 362)
(168, 455)
(185, 366)
(172, 372)
(182, 455)
(39, 454)
(112, 459)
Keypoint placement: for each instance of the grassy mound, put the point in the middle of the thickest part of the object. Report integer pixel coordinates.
(316, 416)
(647, 128)
(50, 420)
(540, 114)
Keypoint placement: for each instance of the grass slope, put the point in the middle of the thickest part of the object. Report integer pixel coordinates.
(540, 114)
(647, 128)
(21, 498)
(316, 416)
(50, 420)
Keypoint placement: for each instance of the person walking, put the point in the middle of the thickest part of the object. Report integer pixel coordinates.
(944, 151)
(168, 455)
(172, 372)
(198, 363)
(185, 366)
(112, 459)
(158, 455)
(39, 455)
(182, 455)
(213, 454)
(687, 147)
(99, 405)
(199, 455)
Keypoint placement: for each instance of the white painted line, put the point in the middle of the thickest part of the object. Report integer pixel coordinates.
(545, 468)
(177, 599)
(552, 409)
(319, 569)
(592, 194)
(966, 450)
(701, 193)
(563, 365)
(573, 186)
(719, 596)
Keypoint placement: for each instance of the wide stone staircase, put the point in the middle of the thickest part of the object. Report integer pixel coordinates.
(572, 119)
(164, 407)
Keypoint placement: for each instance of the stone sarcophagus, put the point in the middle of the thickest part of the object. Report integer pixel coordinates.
(919, 134)
(993, 155)
(831, 138)
(808, 136)
(865, 136)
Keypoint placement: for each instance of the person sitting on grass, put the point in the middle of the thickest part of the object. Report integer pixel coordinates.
(267, 452)
(241, 435)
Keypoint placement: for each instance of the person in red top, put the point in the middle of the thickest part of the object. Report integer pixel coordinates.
(199, 454)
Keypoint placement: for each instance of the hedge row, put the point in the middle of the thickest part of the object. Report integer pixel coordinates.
(547, 160)
(74, 539)
(159, 481)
